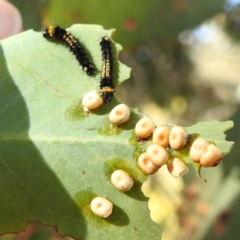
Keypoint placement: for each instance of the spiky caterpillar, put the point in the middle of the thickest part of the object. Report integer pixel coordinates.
(60, 34)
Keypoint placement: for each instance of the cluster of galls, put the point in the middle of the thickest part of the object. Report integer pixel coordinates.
(165, 140)
(205, 153)
(158, 153)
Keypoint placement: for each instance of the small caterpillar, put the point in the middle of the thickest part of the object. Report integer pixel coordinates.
(106, 83)
(60, 34)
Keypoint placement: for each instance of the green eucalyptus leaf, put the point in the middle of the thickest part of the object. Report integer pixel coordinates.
(54, 159)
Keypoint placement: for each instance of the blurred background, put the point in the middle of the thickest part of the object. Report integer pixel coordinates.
(185, 60)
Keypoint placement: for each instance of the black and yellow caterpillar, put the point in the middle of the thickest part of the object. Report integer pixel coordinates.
(60, 34)
(106, 83)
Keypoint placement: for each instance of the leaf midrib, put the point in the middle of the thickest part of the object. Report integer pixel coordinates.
(50, 138)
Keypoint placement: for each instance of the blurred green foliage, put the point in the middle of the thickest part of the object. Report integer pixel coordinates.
(31, 13)
(148, 30)
(137, 22)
